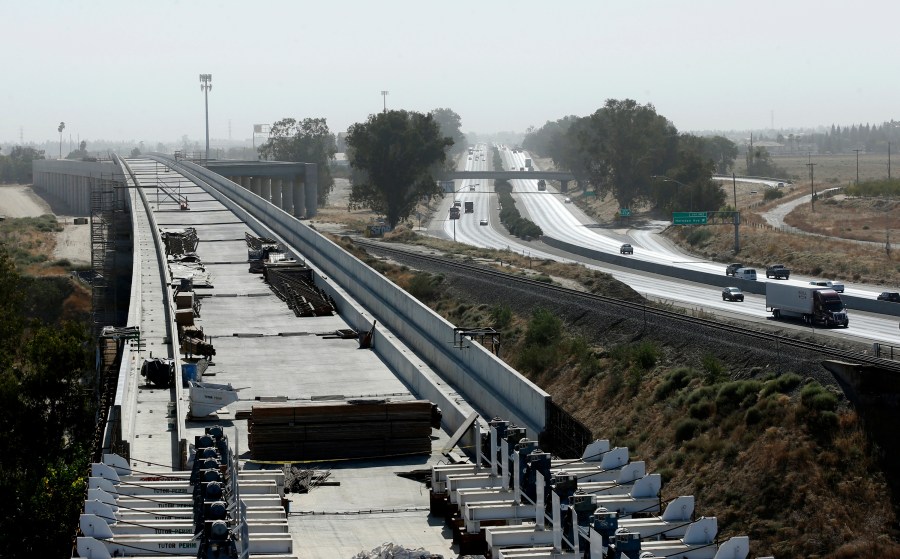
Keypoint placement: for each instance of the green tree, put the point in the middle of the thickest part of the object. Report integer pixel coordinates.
(449, 123)
(309, 141)
(722, 152)
(46, 409)
(625, 144)
(16, 167)
(395, 156)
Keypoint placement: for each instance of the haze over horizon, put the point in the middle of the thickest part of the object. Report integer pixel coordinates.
(128, 71)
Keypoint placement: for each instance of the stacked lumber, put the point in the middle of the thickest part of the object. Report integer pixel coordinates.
(334, 430)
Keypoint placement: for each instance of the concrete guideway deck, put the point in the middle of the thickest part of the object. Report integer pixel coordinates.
(266, 352)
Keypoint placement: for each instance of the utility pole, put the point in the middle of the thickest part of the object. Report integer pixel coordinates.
(384, 95)
(205, 86)
(889, 161)
(812, 190)
(857, 166)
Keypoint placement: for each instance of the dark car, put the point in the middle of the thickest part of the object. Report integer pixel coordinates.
(891, 296)
(732, 268)
(732, 294)
(626, 249)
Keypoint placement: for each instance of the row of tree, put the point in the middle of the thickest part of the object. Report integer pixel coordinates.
(630, 152)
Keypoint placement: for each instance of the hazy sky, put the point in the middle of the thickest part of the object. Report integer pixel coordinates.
(130, 70)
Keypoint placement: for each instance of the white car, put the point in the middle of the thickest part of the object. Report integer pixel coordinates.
(837, 286)
(483, 222)
(567, 201)
(822, 283)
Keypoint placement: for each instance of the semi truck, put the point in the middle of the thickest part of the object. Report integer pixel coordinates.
(813, 305)
(470, 207)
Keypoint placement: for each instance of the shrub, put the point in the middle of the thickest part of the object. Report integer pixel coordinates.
(501, 316)
(737, 394)
(544, 329)
(702, 410)
(714, 368)
(423, 287)
(645, 355)
(815, 397)
(772, 194)
(698, 235)
(781, 384)
(536, 359)
(686, 429)
(675, 380)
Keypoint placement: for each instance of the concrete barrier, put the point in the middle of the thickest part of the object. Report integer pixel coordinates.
(720, 280)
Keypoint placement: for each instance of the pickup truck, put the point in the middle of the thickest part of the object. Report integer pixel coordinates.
(778, 271)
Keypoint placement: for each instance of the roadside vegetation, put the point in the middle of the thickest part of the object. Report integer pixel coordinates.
(46, 411)
(769, 454)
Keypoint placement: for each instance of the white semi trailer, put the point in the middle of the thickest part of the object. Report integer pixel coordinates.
(811, 304)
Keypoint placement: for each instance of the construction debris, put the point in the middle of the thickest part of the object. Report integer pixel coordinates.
(395, 551)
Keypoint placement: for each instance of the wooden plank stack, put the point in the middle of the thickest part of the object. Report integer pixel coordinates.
(340, 430)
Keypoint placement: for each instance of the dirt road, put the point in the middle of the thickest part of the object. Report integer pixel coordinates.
(72, 243)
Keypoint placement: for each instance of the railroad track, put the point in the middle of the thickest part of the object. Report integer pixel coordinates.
(730, 330)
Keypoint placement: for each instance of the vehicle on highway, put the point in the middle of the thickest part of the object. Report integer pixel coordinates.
(822, 283)
(745, 274)
(471, 188)
(483, 222)
(567, 201)
(457, 203)
(837, 286)
(780, 185)
(778, 271)
(732, 294)
(626, 249)
(732, 268)
(812, 304)
(470, 207)
(891, 296)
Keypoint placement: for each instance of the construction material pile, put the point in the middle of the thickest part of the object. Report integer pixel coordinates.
(180, 241)
(290, 279)
(334, 430)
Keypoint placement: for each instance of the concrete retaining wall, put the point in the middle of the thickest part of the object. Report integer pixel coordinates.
(487, 383)
(67, 184)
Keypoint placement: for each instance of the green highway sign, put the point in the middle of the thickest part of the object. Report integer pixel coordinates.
(624, 212)
(688, 218)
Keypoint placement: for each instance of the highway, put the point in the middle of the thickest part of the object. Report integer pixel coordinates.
(565, 222)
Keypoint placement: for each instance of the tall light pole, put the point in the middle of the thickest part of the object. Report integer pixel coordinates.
(384, 95)
(205, 86)
(62, 126)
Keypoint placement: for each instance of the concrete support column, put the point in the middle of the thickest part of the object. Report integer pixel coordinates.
(299, 198)
(287, 195)
(266, 191)
(256, 186)
(312, 190)
(245, 182)
(276, 192)
(563, 187)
